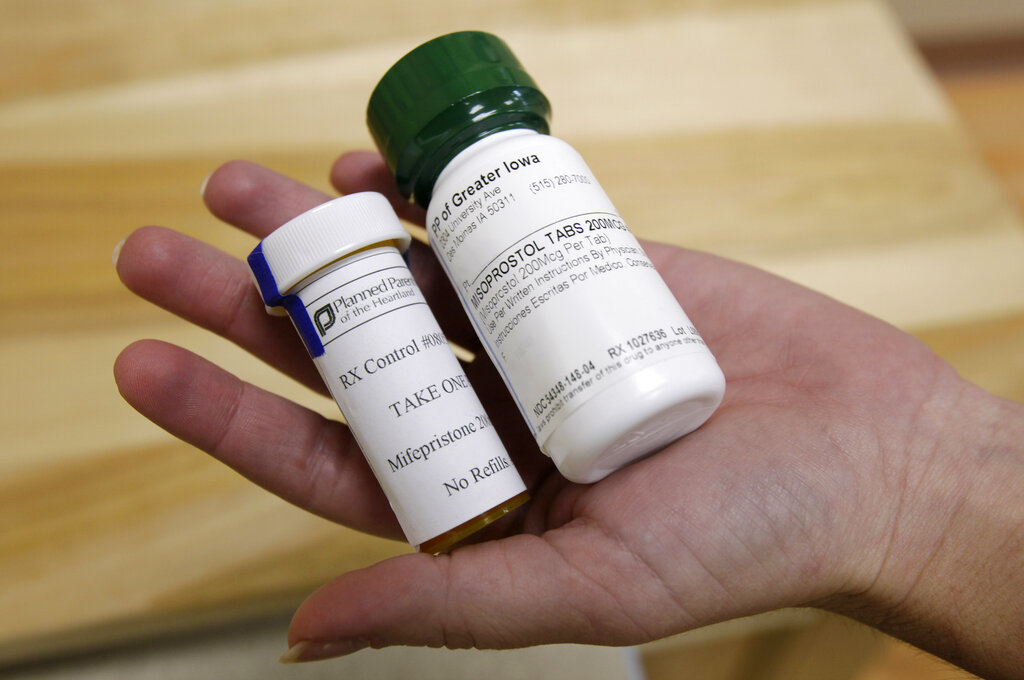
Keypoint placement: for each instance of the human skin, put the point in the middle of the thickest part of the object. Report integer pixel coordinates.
(848, 468)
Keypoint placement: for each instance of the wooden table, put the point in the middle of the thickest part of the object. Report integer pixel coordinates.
(803, 136)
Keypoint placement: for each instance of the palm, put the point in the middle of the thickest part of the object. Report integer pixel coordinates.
(755, 510)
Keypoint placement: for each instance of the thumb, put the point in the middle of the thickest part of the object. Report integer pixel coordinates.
(519, 591)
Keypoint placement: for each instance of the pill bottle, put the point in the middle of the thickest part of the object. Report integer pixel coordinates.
(595, 349)
(339, 273)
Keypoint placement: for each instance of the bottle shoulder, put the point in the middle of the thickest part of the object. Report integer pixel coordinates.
(513, 140)
(487, 152)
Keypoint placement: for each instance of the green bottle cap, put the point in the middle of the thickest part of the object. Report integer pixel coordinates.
(445, 95)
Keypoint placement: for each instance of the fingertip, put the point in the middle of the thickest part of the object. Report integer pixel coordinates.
(125, 253)
(180, 391)
(255, 198)
(353, 171)
(357, 171)
(230, 187)
(123, 366)
(142, 254)
(133, 373)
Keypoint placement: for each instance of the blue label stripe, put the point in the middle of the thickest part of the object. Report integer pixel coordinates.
(272, 297)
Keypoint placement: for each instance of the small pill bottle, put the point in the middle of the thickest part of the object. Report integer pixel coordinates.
(595, 349)
(338, 272)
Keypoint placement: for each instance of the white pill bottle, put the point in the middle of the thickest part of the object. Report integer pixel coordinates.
(595, 349)
(337, 271)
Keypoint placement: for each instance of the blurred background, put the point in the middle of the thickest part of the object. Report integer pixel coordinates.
(872, 151)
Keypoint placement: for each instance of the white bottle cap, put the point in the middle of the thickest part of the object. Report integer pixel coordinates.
(320, 236)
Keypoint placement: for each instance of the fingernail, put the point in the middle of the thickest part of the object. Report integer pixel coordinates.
(117, 251)
(315, 650)
(202, 187)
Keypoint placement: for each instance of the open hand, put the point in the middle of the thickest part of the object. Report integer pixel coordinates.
(801, 490)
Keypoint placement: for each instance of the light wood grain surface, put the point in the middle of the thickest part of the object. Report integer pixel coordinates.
(802, 136)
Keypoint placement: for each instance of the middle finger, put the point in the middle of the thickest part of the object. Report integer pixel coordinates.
(258, 200)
